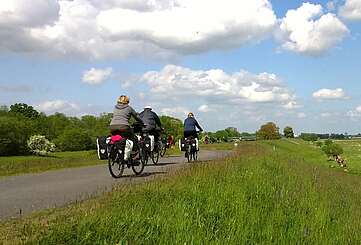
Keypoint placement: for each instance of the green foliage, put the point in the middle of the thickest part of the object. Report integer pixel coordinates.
(268, 131)
(172, 126)
(319, 144)
(75, 139)
(309, 137)
(39, 145)
(331, 149)
(24, 109)
(288, 132)
(15, 130)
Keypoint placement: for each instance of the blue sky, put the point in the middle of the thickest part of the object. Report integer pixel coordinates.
(291, 62)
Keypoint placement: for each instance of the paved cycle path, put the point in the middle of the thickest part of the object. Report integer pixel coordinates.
(23, 194)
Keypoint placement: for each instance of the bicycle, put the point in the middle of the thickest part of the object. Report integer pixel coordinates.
(117, 163)
(191, 149)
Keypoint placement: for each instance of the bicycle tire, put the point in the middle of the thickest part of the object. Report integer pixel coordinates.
(139, 166)
(115, 161)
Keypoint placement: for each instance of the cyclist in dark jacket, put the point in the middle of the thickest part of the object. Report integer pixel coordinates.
(190, 126)
(151, 121)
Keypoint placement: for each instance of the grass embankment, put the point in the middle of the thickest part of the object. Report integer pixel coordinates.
(33, 164)
(263, 195)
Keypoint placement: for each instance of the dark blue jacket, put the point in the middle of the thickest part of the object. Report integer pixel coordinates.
(190, 124)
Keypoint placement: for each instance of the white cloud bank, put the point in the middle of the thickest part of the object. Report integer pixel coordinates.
(116, 29)
(218, 86)
(52, 106)
(307, 30)
(329, 94)
(351, 10)
(96, 76)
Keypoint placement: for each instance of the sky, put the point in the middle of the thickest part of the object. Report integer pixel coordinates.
(238, 63)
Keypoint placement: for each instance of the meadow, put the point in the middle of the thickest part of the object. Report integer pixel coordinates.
(277, 192)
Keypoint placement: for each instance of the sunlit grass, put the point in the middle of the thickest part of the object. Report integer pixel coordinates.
(271, 192)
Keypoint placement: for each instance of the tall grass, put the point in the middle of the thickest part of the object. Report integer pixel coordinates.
(262, 195)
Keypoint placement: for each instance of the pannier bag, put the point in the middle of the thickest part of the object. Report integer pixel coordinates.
(102, 147)
(182, 144)
(128, 149)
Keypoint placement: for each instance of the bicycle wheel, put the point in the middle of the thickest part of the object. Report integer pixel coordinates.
(189, 154)
(163, 149)
(155, 156)
(138, 166)
(115, 163)
(195, 155)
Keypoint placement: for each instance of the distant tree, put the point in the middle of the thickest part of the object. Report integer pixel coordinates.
(288, 132)
(318, 143)
(24, 109)
(172, 126)
(268, 131)
(309, 137)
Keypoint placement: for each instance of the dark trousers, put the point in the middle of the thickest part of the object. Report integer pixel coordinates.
(190, 133)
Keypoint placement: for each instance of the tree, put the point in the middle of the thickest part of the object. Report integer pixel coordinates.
(39, 145)
(332, 149)
(288, 132)
(172, 126)
(309, 137)
(268, 131)
(75, 139)
(24, 109)
(14, 132)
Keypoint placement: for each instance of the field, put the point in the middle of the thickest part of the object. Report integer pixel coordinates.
(281, 192)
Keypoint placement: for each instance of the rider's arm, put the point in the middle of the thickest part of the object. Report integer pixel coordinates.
(199, 127)
(136, 116)
(157, 120)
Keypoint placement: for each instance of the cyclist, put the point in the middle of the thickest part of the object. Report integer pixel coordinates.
(120, 125)
(190, 127)
(151, 121)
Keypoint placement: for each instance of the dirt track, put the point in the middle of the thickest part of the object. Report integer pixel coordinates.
(21, 195)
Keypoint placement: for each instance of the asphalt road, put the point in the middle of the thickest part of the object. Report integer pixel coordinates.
(24, 194)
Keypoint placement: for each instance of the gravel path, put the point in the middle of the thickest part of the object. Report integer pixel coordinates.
(21, 195)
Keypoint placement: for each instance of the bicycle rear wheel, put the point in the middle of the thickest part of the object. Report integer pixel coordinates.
(189, 154)
(115, 163)
(195, 155)
(163, 149)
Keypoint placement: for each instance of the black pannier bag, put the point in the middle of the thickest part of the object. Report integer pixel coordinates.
(102, 147)
(183, 144)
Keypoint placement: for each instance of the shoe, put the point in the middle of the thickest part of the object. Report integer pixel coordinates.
(136, 157)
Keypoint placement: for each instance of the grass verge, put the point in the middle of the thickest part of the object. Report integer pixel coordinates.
(34, 164)
(261, 195)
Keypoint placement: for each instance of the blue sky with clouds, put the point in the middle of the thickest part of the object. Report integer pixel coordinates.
(233, 63)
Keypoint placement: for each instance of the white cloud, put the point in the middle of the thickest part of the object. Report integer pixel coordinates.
(355, 114)
(96, 76)
(351, 10)
(325, 93)
(307, 30)
(53, 106)
(177, 111)
(204, 108)
(216, 85)
(116, 29)
(292, 105)
(301, 115)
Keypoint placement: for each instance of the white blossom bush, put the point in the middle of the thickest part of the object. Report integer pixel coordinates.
(39, 145)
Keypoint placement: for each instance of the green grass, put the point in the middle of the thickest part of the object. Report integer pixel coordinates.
(262, 195)
(32, 164)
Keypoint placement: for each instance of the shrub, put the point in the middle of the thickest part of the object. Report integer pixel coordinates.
(332, 149)
(39, 145)
(75, 139)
